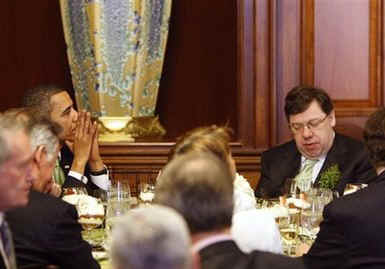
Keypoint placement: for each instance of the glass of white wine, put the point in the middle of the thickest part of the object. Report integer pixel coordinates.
(288, 227)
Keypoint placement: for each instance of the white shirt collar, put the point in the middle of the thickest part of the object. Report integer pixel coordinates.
(201, 244)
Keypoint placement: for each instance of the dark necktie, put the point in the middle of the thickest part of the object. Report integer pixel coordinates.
(6, 239)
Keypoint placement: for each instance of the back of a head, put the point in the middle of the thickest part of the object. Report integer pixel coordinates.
(39, 99)
(9, 124)
(299, 99)
(374, 136)
(154, 237)
(210, 139)
(200, 188)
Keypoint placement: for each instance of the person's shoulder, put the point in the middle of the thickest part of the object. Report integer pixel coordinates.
(349, 142)
(280, 149)
(352, 204)
(261, 259)
(47, 201)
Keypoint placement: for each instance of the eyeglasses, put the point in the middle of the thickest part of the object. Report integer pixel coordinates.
(311, 125)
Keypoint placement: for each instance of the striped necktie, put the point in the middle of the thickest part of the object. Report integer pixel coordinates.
(304, 177)
(58, 173)
(6, 240)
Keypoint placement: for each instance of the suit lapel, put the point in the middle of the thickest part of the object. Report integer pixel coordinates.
(334, 156)
(293, 157)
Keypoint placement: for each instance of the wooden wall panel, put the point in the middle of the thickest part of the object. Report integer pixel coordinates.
(32, 48)
(288, 38)
(342, 48)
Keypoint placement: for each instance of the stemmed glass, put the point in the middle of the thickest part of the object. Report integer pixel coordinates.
(288, 227)
(116, 208)
(147, 192)
(312, 216)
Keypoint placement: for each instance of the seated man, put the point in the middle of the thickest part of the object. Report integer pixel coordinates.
(151, 237)
(47, 231)
(79, 155)
(200, 188)
(15, 180)
(315, 148)
(351, 234)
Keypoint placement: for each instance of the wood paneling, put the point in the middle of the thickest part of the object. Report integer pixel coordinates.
(341, 50)
(32, 48)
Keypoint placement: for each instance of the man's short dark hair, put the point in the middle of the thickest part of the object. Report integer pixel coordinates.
(299, 99)
(200, 188)
(39, 99)
(374, 137)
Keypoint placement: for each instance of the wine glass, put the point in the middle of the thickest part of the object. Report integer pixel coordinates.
(116, 208)
(312, 217)
(147, 192)
(120, 190)
(288, 227)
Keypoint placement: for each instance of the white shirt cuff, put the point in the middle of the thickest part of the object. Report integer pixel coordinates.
(101, 181)
(78, 176)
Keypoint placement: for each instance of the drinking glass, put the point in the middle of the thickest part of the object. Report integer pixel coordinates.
(312, 217)
(304, 185)
(116, 208)
(288, 227)
(147, 192)
(119, 190)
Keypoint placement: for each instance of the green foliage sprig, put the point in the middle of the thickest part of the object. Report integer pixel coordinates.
(330, 177)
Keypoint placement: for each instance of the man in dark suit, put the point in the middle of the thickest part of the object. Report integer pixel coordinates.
(15, 179)
(311, 119)
(200, 188)
(46, 231)
(351, 234)
(79, 157)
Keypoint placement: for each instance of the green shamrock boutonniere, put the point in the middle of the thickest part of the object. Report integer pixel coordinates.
(330, 177)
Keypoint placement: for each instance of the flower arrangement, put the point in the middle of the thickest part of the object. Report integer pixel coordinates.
(330, 177)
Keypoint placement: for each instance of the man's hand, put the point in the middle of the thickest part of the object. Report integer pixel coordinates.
(84, 135)
(55, 190)
(95, 162)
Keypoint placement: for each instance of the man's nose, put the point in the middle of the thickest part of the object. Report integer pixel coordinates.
(307, 133)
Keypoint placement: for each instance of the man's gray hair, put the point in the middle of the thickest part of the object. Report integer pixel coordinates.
(44, 133)
(10, 123)
(153, 237)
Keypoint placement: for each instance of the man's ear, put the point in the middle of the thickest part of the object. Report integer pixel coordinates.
(333, 118)
(39, 152)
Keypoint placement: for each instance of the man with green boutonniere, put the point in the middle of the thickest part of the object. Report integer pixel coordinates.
(351, 234)
(330, 177)
(315, 148)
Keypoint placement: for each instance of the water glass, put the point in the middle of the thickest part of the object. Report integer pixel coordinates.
(120, 190)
